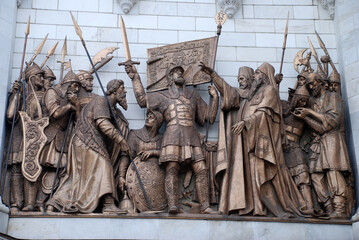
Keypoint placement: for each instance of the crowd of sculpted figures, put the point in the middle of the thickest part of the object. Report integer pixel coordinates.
(72, 151)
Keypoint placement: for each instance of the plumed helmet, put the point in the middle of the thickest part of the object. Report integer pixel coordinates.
(32, 70)
(48, 73)
(70, 77)
(334, 77)
(82, 75)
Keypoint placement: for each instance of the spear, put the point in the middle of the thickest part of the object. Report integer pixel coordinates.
(49, 54)
(27, 32)
(38, 49)
(322, 45)
(314, 53)
(79, 33)
(63, 54)
(284, 44)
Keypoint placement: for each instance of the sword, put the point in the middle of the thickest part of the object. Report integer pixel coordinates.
(126, 47)
(79, 33)
(27, 32)
(38, 49)
(49, 54)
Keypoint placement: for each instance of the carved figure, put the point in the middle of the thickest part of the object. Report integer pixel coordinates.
(328, 160)
(90, 173)
(145, 145)
(259, 180)
(59, 103)
(182, 108)
(25, 189)
(295, 157)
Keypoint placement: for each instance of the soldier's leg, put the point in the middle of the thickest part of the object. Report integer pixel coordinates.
(109, 205)
(171, 186)
(16, 189)
(30, 190)
(302, 180)
(201, 173)
(339, 190)
(322, 191)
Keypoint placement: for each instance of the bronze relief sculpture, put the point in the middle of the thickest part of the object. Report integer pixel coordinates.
(273, 158)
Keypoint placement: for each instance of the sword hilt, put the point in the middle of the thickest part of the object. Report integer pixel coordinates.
(128, 63)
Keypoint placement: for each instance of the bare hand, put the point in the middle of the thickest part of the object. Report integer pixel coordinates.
(145, 155)
(238, 127)
(212, 91)
(71, 97)
(205, 68)
(278, 78)
(122, 183)
(130, 70)
(299, 113)
(124, 146)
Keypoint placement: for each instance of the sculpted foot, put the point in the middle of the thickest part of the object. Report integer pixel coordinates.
(209, 211)
(173, 210)
(112, 209)
(14, 210)
(28, 208)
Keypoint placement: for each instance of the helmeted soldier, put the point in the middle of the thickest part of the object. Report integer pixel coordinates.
(334, 82)
(182, 108)
(49, 78)
(85, 92)
(23, 190)
(59, 102)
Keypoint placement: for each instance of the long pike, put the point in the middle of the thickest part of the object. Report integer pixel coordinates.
(284, 44)
(38, 49)
(314, 53)
(63, 55)
(49, 54)
(322, 45)
(27, 32)
(79, 33)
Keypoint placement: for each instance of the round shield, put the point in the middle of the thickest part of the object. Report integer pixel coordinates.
(153, 179)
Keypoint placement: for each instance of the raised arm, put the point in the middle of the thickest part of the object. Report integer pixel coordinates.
(137, 85)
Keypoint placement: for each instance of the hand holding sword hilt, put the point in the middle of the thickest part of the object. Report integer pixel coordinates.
(129, 67)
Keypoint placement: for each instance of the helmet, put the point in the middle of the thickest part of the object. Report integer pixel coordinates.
(48, 73)
(32, 70)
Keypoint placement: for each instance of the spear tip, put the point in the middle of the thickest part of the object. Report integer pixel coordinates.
(27, 30)
(77, 27)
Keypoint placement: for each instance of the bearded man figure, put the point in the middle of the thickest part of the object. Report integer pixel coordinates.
(328, 160)
(260, 182)
(90, 173)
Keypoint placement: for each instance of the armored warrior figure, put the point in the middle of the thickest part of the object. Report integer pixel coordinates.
(259, 180)
(85, 94)
(90, 173)
(22, 188)
(182, 108)
(60, 102)
(328, 160)
(145, 146)
(295, 157)
(49, 78)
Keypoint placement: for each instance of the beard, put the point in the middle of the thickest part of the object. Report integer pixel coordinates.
(179, 81)
(255, 85)
(122, 101)
(315, 91)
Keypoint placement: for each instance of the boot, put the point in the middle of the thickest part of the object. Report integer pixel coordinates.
(339, 208)
(110, 207)
(328, 206)
(30, 195)
(307, 195)
(16, 194)
(171, 188)
(40, 200)
(202, 191)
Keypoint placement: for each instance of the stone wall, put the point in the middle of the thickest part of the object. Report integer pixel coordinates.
(8, 10)
(252, 36)
(347, 38)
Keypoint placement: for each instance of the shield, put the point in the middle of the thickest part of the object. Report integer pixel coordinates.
(34, 139)
(186, 54)
(153, 179)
